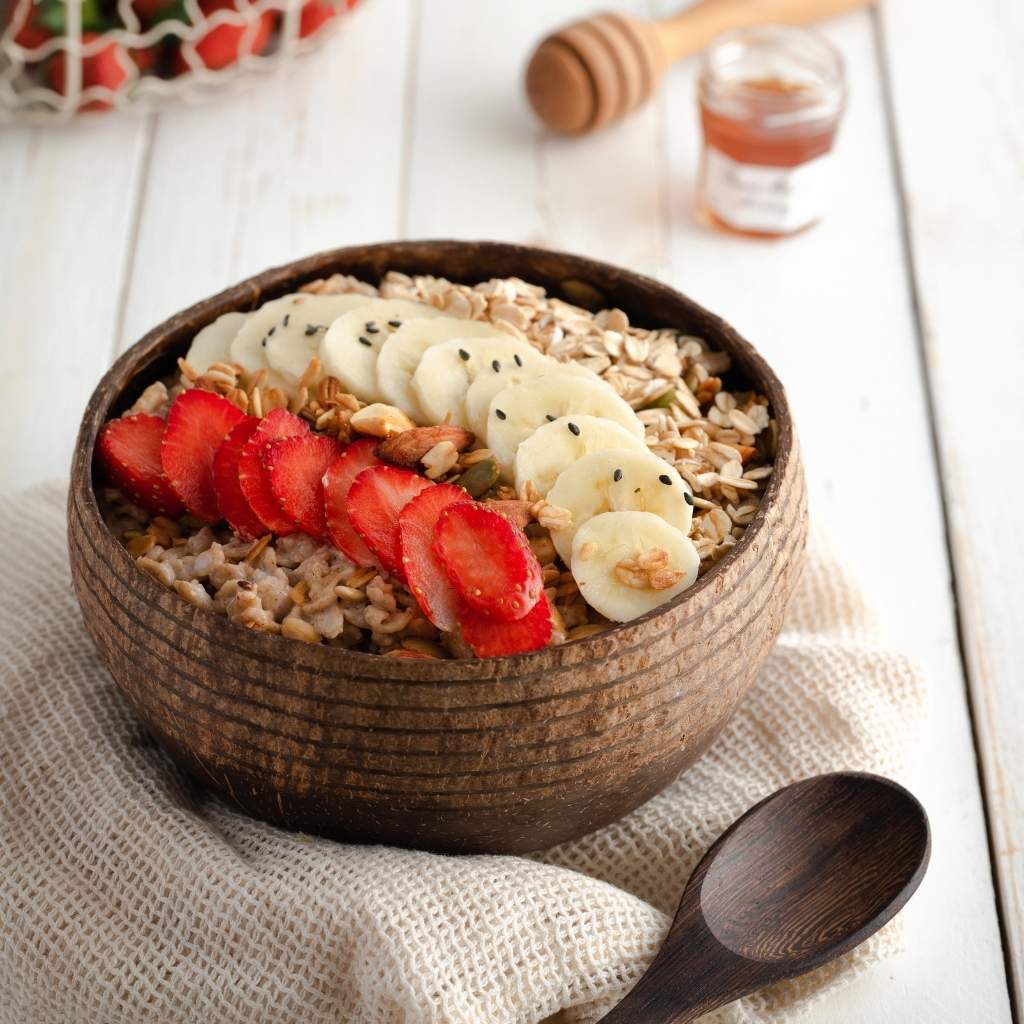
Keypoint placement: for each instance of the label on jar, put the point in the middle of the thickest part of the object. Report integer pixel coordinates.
(756, 197)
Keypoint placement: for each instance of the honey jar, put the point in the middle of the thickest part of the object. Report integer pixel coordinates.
(771, 98)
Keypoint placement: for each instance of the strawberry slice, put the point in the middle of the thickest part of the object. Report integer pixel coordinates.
(196, 424)
(490, 637)
(253, 476)
(376, 497)
(337, 481)
(423, 571)
(128, 453)
(230, 499)
(296, 466)
(488, 561)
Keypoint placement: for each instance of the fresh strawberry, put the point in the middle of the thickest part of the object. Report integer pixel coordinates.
(252, 473)
(337, 481)
(226, 43)
(108, 67)
(297, 466)
(196, 424)
(128, 453)
(28, 34)
(230, 499)
(315, 14)
(423, 571)
(488, 561)
(489, 637)
(376, 497)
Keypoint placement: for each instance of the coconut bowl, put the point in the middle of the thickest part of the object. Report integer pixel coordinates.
(500, 755)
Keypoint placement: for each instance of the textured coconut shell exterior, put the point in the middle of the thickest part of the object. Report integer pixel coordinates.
(499, 755)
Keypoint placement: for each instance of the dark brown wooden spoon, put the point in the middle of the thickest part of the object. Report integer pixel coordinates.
(800, 879)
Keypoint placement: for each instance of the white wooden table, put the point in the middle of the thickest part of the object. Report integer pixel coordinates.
(897, 325)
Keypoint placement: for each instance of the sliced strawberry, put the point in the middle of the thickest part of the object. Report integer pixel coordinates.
(253, 476)
(488, 561)
(230, 499)
(423, 571)
(128, 453)
(297, 466)
(490, 637)
(337, 481)
(376, 497)
(197, 423)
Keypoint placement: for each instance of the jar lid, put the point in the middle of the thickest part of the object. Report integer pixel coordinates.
(779, 75)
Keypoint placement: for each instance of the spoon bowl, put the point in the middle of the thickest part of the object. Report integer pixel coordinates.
(800, 879)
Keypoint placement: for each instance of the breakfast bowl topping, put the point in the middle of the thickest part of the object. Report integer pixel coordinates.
(433, 470)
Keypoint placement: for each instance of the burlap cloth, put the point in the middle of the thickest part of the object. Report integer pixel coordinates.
(128, 895)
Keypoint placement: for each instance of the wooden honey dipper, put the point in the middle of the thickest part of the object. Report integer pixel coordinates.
(596, 70)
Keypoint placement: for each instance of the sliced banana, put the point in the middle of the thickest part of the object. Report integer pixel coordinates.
(446, 371)
(249, 346)
(628, 563)
(518, 411)
(618, 480)
(487, 385)
(351, 345)
(401, 352)
(295, 339)
(553, 447)
(213, 343)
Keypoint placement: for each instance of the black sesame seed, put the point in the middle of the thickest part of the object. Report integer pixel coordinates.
(687, 497)
(271, 331)
(518, 359)
(463, 355)
(365, 341)
(495, 365)
(573, 429)
(500, 414)
(665, 479)
(311, 329)
(287, 317)
(264, 342)
(617, 475)
(394, 323)
(372, 328)
(636, 490)
(550, 418)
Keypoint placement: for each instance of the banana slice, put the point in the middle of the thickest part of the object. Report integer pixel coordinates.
(618, 480)
(295, 338)
(351, 345)
(446, 371)
(518, 411)
(554, 447)
(401, 352)
(249, 346)
(487, 385)
(628, 563)
(213, 343)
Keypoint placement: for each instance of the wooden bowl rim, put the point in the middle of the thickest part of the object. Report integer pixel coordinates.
(252, 291)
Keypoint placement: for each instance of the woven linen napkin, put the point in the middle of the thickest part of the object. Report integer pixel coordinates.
(128, 895)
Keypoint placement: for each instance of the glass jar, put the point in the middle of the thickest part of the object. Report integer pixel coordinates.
(770, 99)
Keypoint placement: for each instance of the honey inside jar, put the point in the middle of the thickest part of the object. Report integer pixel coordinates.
(771, 99)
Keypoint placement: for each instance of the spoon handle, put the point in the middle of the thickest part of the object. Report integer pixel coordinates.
(691, 976)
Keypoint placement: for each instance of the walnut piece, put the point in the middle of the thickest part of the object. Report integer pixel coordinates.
(648, 571)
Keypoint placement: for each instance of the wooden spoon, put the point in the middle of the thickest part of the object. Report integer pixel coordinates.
(800, 879)
(598, 69)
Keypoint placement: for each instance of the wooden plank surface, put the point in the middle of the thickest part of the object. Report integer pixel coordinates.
(67, 208)
(832, 311)
(961, 145)
(442, 144)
